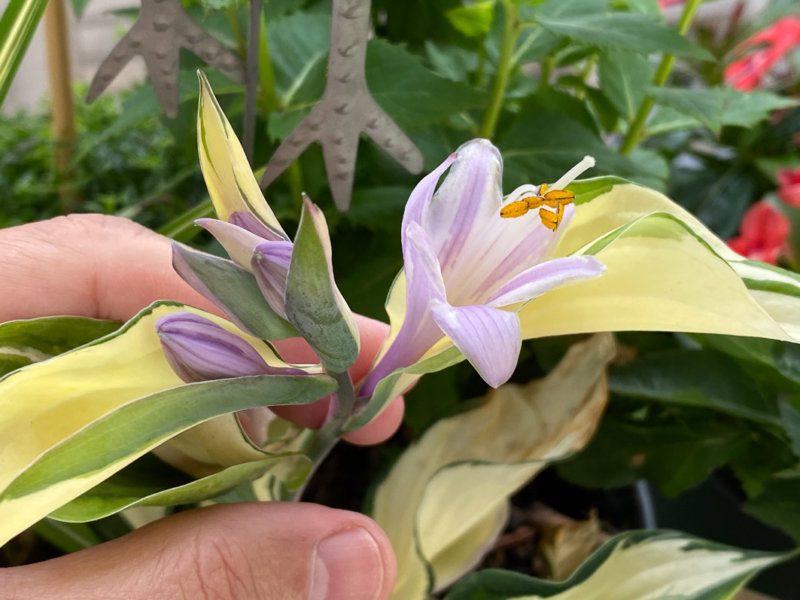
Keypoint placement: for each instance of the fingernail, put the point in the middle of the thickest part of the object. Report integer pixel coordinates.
(347, 566)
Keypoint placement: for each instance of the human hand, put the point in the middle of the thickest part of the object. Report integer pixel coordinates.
(107, 267)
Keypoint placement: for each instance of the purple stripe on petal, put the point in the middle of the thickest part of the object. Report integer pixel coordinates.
(469, 196)
(238, 243)
(199, 350)
(270, 265)
(253, 224)
(490, 338)
(546, 276)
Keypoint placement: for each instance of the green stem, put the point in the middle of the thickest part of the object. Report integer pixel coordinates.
(233, 20)
(329, 434)
(632, 137)
(265, 72)
(504, 66)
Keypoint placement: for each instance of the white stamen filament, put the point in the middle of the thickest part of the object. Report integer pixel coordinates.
(587, 162)
(520, 192)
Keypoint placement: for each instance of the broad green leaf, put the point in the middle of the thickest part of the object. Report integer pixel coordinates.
(629, 31)
(437, 528)
(624, 78)
(638, 565)
(695, 378)
(675, 452)
(235, 291)
(227, 173)
(474, 20)
(777, 504)
(410, 93)
(665, 272)
(561, 141)
(451, 62)
(32, 340)
(298, 42)
(17, 25)
(665, 119)
(716, 107)
(774, 364)
(161, 487)
(314, 304)
(704, 105)
(747, 108)
(70, 422)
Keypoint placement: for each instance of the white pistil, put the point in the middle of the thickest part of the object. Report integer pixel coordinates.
(586, 163)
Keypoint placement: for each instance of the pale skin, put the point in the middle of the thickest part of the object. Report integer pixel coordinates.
(107, 267)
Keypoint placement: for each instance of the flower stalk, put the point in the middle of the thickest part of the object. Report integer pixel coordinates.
(504, 66)
(326, 437)
(636, 127)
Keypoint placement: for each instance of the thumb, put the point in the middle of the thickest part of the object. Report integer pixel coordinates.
(259, 551)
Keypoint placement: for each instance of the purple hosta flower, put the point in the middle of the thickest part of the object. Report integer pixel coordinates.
(468, 270)
(253, 246)
(200, 350)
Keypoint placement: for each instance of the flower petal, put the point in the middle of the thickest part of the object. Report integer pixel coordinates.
(490, 338)
(270, 264)
(422, 268)
(247, 221)
(544, 277)
(423, 285)
(239, 243)
(420, 198)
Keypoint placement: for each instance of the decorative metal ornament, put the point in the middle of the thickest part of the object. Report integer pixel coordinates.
(346, 109)
(162, 29)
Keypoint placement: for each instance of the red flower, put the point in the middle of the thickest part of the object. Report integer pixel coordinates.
(777, 40)
(665, 3)
(765, 231)
(789, 186)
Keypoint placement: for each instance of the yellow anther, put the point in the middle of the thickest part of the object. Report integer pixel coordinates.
(562, 196)
(515, 209)
(555, 200)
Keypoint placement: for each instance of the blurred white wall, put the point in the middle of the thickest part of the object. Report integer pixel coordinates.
(91, 38)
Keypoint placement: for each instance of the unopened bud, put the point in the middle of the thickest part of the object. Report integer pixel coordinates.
(199, 350)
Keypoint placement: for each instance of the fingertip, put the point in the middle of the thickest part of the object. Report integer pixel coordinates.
(381, 427)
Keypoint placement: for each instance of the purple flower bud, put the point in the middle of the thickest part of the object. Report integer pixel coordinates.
(270, 265)
(199, 350)
(253, 224)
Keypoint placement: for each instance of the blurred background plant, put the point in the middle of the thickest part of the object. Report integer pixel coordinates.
(696, 423)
